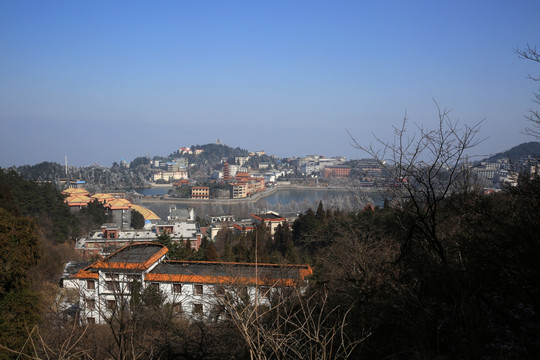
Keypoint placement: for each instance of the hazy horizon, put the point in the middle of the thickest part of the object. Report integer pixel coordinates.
(103, 81)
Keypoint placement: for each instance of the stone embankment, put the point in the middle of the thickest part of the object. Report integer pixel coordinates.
(251, 199)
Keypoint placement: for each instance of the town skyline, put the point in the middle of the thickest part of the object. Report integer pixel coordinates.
(102, 81)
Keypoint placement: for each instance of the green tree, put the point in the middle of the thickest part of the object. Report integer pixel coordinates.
(320, 214)
(137, 220)
(19, 253)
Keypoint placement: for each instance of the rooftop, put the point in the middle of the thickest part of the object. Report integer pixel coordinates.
(228, 273)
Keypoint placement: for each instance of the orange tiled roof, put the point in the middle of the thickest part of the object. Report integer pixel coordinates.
(143, 255)
(118, 260)
(230, 278)
(267, 217)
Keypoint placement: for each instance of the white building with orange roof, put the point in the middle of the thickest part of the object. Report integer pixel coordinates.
(270, 219)
(194, 289)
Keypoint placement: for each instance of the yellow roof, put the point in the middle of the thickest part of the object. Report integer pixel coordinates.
(118, 204)
(147, 213)
(75, 191)
(102, 197)
(77, 200)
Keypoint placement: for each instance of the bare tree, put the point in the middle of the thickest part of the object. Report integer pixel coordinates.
(530, 53)
(292, 325)
(427, 165)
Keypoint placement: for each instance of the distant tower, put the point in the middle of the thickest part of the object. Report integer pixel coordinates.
(226, 172)
(218, 142)
(66, 166)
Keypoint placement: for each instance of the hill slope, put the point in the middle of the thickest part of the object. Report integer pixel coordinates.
(517, 152)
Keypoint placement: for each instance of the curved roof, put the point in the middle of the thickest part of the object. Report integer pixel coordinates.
(77, 200)
(102, 197)
(119, 204)
(146, 213)
(75, 191)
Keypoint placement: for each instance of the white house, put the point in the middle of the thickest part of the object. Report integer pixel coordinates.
(192, 288)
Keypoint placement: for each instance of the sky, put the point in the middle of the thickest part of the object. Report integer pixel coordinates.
(101, 81)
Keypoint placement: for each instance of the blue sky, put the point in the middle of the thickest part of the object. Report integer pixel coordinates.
(104, 80)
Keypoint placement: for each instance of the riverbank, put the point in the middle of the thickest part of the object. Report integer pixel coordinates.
(259, 196)
(251, 199)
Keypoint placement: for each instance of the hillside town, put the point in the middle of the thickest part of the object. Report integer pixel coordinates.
(123, 261)
(217, 171)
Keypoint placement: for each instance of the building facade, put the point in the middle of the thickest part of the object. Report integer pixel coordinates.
(200, 192)
(194, 289)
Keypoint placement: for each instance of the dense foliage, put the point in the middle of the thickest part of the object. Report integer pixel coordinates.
(41, 201)
(479, 301)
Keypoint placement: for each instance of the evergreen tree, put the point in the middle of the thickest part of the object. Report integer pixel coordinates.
(137, 220)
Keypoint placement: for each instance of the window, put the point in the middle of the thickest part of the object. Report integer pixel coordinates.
(90, 304)
(177, 308)
(111, 304)
(197, 309)
(90, 284)
(264, 291)
(177, 288)
(154, 286)
(112, 285)
(197, 289)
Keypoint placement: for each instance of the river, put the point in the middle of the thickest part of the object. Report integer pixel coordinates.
(288, 201)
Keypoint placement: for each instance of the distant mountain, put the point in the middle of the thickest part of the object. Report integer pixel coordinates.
(517, 152)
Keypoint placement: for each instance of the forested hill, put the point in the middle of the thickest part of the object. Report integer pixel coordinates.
(213, 153)
(517, 152)
(97, 178)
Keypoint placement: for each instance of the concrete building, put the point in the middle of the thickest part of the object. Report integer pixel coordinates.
(200, 192)
(337, 172)
(120, 209)
(270, 219)
(239, 190)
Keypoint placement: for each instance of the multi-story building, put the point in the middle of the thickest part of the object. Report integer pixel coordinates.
(120, 209)
(170, 175)
(200, 192)
(309, 168)
(270, 219)
(241, 160)
(239, 190)
(337, 171)
(194, 289)
(77, 202)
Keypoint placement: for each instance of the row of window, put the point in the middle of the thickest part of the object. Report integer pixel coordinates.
(115, 286)
(176, 287)
(111, 305)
